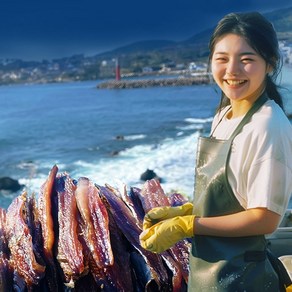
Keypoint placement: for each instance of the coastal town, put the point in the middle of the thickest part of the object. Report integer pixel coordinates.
(102, 67)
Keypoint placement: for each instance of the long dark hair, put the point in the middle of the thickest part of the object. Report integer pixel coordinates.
(259, 33)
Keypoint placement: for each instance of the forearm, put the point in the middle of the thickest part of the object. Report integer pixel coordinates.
(246, 223)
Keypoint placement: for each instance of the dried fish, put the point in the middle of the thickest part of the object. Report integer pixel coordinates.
(20, 243)
(69, 248)
(95, 222)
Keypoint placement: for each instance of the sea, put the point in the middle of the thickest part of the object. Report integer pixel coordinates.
(110, 136)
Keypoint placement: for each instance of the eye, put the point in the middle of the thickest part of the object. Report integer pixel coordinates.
(247, 60)
(221, 59)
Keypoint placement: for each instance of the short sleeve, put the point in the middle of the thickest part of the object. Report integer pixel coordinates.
(269, 186)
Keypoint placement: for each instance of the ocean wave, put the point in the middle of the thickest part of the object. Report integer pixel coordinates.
(131, 137)
(135, 137)
(190, 127)
(198, 121)
(173, 160)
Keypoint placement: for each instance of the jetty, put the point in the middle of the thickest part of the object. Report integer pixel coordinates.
(154, 82)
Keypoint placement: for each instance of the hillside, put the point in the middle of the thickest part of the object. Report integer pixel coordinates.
(281, 19)
(152, 55)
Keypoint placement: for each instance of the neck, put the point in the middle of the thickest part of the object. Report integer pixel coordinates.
(241, 107)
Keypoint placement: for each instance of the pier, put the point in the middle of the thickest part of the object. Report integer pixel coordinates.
(154, 82)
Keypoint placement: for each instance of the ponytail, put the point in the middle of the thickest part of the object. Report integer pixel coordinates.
(272, 92)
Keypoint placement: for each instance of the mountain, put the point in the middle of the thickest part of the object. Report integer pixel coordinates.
(281, 19)
(151, 55)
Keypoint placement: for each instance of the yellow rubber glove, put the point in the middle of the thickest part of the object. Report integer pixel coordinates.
(289, 288)
(155, 215)
(166, 233)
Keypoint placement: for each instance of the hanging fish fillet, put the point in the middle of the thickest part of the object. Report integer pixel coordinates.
(20, 243)
(86, 237)
(45, 213)
(3, 237)
(95, 222)
(152, 195)
(128, 226)
(70, 250)
(117, 277)
(6, 270)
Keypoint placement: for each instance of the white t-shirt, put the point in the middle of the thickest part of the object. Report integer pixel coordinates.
(260, 166)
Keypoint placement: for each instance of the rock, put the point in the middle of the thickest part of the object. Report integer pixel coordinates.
(120, 137)
(10, 184)
(149, 174)
(115, 153)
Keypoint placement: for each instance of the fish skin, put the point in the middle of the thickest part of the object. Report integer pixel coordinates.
(20, 243)
(135, 196)
(6, 270)
(142, 276)
(121, 192)
(94, 219)
(34, 225)
(46, 207)
(129, 227)
(86, 284)
(116, 277)
(177, 199)
(174, 255)
(45, 213)
(151, 196)
(3, 236)
(69, 248)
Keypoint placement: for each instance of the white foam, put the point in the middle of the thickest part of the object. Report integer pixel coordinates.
(173, 160)
(198, 121)
(135, 137)
(191, 127)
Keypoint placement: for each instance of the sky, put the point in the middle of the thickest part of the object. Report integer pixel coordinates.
(40, 29)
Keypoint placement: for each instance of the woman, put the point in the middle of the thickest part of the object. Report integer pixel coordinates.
(243, 170)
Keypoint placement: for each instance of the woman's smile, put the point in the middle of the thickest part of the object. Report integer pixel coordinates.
(234, 83)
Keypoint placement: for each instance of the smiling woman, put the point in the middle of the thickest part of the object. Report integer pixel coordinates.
(243, 179)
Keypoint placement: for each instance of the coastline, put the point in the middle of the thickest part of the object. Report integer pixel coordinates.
(154, 82)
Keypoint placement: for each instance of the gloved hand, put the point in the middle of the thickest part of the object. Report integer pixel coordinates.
(155, 215)
(166, 233)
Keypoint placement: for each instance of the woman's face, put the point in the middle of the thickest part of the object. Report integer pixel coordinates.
(238, 69)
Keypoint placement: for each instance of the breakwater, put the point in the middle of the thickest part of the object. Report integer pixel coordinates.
(142, 83)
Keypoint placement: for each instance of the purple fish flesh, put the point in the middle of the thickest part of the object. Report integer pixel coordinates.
(95, 222)
(129, 227)
(152, 195)
(20, 243)
(6, 270)
(69, 248)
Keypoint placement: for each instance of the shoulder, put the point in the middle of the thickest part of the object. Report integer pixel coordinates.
(269, 134)
(270, 120)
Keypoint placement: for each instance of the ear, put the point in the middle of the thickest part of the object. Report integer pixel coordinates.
(269, 68)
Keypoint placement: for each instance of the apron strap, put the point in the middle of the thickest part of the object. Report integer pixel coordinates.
(256, 106)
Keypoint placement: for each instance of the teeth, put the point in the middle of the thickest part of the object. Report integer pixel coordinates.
(235, 82)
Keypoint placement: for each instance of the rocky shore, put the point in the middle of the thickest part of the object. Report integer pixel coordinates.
(142, 83)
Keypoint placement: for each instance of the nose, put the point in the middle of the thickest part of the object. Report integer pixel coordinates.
(233, 67)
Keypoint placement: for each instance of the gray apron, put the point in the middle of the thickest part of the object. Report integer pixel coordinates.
(225, 263)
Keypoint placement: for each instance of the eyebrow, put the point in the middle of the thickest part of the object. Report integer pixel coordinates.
(241, 54)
